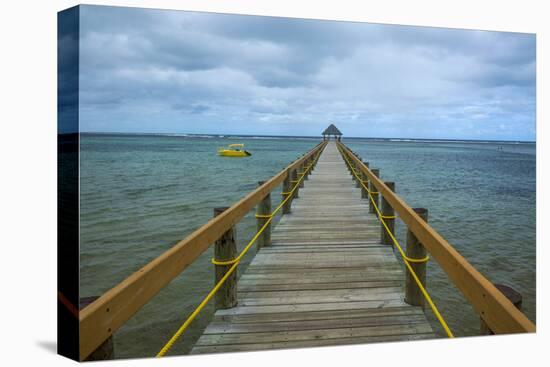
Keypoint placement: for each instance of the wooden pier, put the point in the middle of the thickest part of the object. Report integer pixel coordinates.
(328, 273)
(326, 279)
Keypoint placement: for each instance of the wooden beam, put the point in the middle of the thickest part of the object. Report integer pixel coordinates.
(498, 312)
(225, 249)
(103, 317)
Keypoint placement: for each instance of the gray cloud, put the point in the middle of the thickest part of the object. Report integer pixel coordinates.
(174, 71)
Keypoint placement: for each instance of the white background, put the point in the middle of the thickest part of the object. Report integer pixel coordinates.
(28, 181)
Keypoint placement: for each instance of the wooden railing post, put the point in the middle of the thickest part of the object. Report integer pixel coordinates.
(389, 213)
(301, 173)
(225, 250)
(364, 178)
(415, 250)
(106, 350)
(306, 164)
(346, 160)
(287, 186)
(357, 180)
(293, 181)
(373, 189)
(263, 210)
(514, 296)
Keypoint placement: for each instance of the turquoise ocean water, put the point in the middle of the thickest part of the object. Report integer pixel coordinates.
(140, 194)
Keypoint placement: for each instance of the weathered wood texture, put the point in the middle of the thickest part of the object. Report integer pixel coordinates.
(326, 279)
(415, 250)
(225, 249)
(106, 350)
(389, 214)
(262, 210)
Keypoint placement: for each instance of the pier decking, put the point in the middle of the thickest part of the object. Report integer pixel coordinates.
(326, 279)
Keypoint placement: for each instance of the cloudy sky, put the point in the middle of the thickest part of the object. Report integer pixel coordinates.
(184, 72)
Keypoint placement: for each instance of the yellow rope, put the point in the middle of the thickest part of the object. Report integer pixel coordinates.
(422, 260)
(187, 322)
(388, 217)
(234, 262)
(228, 262)
(263, 215)
(407, 262)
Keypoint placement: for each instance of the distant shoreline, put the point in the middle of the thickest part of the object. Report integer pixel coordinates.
(244, 136)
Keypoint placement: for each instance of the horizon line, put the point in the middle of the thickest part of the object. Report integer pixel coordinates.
(293, 136)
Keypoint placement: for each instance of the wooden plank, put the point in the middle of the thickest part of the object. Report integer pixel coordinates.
(332, 270)
(296, 249)
(301, 325)
(110, 311)
(326, 264)
(313, 254)
(323, 245)
(319, 334)
(319, 315)
(322, 298)
(497, 311)
(314, 307)
(318, 243)
(327, 279)
(256, 287)
(199, 349)
(298, 296)
(333, 262)
(277, 278)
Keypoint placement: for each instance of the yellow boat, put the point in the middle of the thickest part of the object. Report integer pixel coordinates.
(234, 150)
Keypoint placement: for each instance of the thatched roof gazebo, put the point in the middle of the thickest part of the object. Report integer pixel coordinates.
(332, 131)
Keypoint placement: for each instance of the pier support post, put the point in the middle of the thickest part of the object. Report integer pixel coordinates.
(346, 157)
(372, 188)
(263, 210)
(293, 181)
(301, 173)
(306, 164)
(287, 186)
(364, 178)
(358, 170)
(106, 350)
(415, 250)
(514, 296)
(225, 250)
(389, 217)
(316, 158)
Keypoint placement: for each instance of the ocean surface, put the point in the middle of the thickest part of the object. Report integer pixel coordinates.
(140, 194)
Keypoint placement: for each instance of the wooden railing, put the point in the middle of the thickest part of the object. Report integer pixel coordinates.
(100, 319)
(499, 313)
